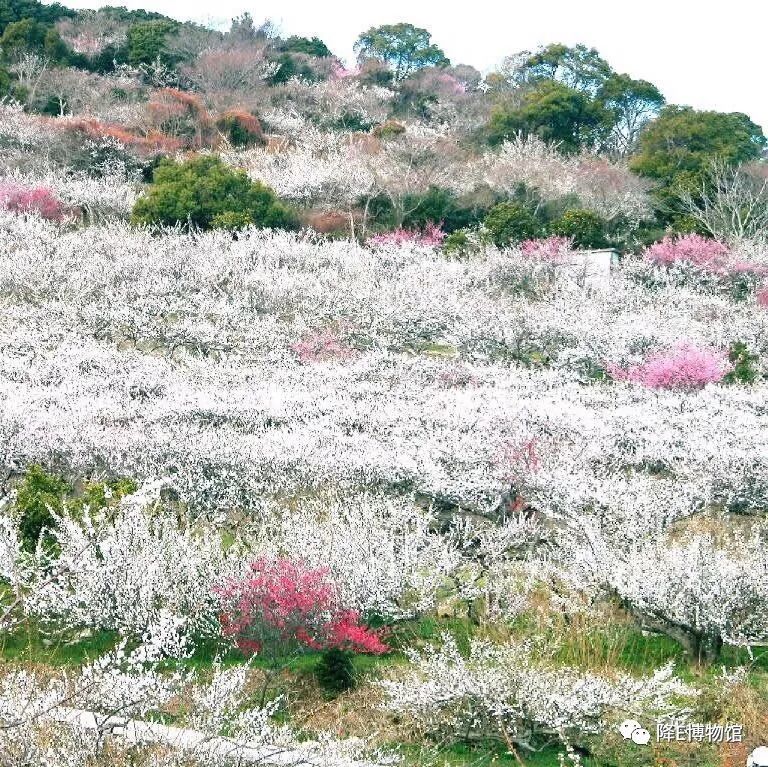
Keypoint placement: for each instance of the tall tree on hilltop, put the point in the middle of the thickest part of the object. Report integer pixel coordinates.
(403, 47)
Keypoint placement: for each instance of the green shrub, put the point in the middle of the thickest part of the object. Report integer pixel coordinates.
(510, 222)
(309, 47)
(39, 496)
(745, 369)
(99, 495)
(290, 67)
(147, 41)
(232, 220)
(586, 228)
(199, 191)
(350, 121)
(335, 671)
(456, 243)
(389, 129)
(461, 243)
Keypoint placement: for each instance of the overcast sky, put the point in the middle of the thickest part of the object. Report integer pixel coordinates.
(710, 54)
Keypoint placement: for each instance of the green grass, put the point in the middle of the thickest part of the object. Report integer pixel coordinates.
(33, 645)
(481, 754)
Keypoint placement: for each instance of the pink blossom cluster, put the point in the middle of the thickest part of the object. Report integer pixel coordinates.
(281, 604)
(519, 459)
(456, 376)
(551, 250)
(706, 254)
(322, 346)
(683, 366)
(449, 84)
(20, 199)
(431, 236)
(762, 297)
(340, 72)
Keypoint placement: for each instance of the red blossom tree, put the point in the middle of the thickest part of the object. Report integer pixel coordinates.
(281, 607)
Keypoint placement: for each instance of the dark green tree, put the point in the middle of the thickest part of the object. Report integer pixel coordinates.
(633, 103)
(685, 141)
(147, 42)
(554, 112)
(584, 227)
(30, 36)
(54, 48)
(104, 61)
(510, 222)
(290, 67)
(130, 16)
(39, 496)
(310, 47)
(445, 208)
(244, 30)
(16, 10)
(579, 67)
(200, 192)
(678, 148)
(335, 671)
(403, 47)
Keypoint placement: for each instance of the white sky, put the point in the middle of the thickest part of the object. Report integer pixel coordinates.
(705, 53)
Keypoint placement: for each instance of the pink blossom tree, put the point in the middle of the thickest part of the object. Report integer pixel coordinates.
(694, 249)
(40, 200)
(431, 237)
(551, 250)
(683, 366)
(322, 346)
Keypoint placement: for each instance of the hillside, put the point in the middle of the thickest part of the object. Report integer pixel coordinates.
(387, 415)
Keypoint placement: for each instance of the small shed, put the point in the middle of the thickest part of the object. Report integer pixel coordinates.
(594, 266)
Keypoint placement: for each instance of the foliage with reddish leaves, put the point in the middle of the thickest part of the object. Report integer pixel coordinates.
(241, 127)
(153, 141)
(182, 115)
(281, 606)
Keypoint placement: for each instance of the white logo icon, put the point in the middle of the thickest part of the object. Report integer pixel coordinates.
(634, 731)
(758, 758)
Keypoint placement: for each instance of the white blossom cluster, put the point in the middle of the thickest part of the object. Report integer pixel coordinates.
(126, 571)
(78, 719)
(501, 689)
(457, 429)
(329, 101)
(604, 186)
(172, 355)
(321, 168)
